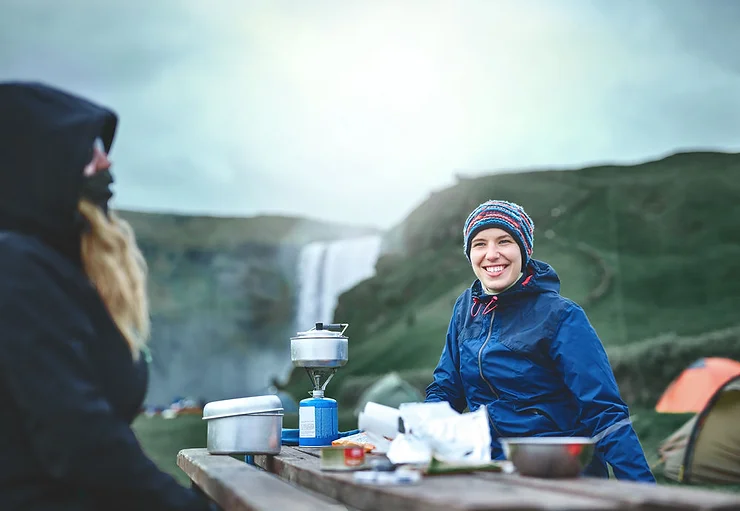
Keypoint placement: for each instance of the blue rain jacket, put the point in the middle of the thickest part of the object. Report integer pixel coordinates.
(531, 357)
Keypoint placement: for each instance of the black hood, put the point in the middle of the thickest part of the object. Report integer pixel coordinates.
(46, 139)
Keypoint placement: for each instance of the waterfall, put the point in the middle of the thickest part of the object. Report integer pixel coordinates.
(326, 270)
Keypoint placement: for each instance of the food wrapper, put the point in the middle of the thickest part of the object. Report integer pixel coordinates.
(436, 431)
(452, 436)
(358, 439)
(427, 431)
(407, 449)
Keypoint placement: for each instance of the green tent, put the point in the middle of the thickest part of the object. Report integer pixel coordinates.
(390, 390)
(706, 449)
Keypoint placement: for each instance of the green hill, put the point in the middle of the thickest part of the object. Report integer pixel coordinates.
(649, 250)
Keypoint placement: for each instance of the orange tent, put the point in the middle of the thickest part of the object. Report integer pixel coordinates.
(696, 385)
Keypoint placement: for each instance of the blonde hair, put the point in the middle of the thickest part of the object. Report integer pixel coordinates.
(115, 265)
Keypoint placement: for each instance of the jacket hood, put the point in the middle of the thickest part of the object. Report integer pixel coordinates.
(46, 139)
(539, 277)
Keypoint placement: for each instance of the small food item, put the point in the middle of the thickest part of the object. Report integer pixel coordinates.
(356, 440)
(342, 458)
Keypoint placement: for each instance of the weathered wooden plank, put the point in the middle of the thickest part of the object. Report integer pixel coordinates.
(633, 495)
(237, 486)
(448, 492)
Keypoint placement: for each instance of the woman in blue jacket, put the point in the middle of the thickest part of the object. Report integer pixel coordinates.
(526, 353)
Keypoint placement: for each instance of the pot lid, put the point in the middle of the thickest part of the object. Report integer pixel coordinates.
(256, 405)
(323, 330)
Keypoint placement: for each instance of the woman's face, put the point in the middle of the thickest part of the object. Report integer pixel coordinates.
(496, 259)
(99, 161)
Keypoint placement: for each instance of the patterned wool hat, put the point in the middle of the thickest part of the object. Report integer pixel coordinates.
(507, 216)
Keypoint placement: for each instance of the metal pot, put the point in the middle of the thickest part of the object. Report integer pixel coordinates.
(249, 425)
(323, 346)
(559, 456)
(549, 456)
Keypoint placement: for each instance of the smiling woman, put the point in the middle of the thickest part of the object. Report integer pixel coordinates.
(530, 356)
(496, 259)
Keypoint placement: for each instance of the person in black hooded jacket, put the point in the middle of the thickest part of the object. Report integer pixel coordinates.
(73, 317)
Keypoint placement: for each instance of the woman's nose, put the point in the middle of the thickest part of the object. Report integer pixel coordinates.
(492, 252)
(99, 162)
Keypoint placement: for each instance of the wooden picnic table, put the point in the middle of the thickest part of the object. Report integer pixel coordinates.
(293, 480)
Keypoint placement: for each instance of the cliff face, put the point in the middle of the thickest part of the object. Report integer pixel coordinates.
(221, 320)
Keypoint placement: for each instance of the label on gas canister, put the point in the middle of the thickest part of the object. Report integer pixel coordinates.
(307, 422)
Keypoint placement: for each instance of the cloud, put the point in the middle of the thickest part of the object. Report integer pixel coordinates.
(355, 111)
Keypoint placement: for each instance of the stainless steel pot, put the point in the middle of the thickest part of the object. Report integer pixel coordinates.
(554, 457)
(323, 346)
(249, 425)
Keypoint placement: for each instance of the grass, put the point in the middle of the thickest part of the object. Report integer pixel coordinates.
(162, 439)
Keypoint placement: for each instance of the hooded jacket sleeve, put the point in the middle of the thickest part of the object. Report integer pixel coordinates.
(580, 356)
(70, 427)
(447, 384)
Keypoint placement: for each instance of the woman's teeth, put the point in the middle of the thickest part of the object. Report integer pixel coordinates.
(494, 269)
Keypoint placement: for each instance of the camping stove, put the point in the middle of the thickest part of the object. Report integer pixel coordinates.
(321, 351)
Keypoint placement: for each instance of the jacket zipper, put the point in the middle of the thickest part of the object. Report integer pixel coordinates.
(480, 370)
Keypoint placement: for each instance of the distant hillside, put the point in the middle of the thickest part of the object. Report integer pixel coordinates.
(212, 232)
(223, 298)
(648, 250)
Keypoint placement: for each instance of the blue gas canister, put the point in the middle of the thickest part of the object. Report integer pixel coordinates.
(318, 424)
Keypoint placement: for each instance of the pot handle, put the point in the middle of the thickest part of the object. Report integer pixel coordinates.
(332, 327)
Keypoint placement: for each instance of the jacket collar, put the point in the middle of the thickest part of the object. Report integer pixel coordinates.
(539, 277)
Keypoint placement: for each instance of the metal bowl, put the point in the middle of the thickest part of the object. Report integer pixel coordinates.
(549, 457)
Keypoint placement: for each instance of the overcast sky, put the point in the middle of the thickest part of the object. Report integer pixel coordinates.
(354, 111)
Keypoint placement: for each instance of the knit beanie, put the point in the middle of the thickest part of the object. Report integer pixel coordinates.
(507, 216)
